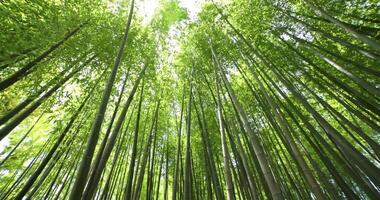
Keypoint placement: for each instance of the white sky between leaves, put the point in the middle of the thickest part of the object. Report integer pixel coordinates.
(146, 8)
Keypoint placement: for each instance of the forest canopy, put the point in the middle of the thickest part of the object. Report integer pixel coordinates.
(181, 99)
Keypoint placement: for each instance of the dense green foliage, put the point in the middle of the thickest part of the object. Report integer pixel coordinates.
(252, 99)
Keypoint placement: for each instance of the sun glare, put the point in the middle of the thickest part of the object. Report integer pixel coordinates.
(147, 8)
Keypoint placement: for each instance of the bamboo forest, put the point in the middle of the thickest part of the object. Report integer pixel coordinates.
(189, 99)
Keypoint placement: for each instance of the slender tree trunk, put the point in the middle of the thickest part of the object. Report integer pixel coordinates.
(131, 169)
(370, 42)
(81, 177)
(146, 152)
(258, 149)
(5, 130)
(111, 141)
(28, 68)
(21, 140)
(176, 170)
(45, 161)
(226, 156)
(14, 111)
(187, 194)
(106, 136)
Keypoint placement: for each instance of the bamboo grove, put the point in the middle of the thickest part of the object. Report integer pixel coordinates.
(251, 99)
